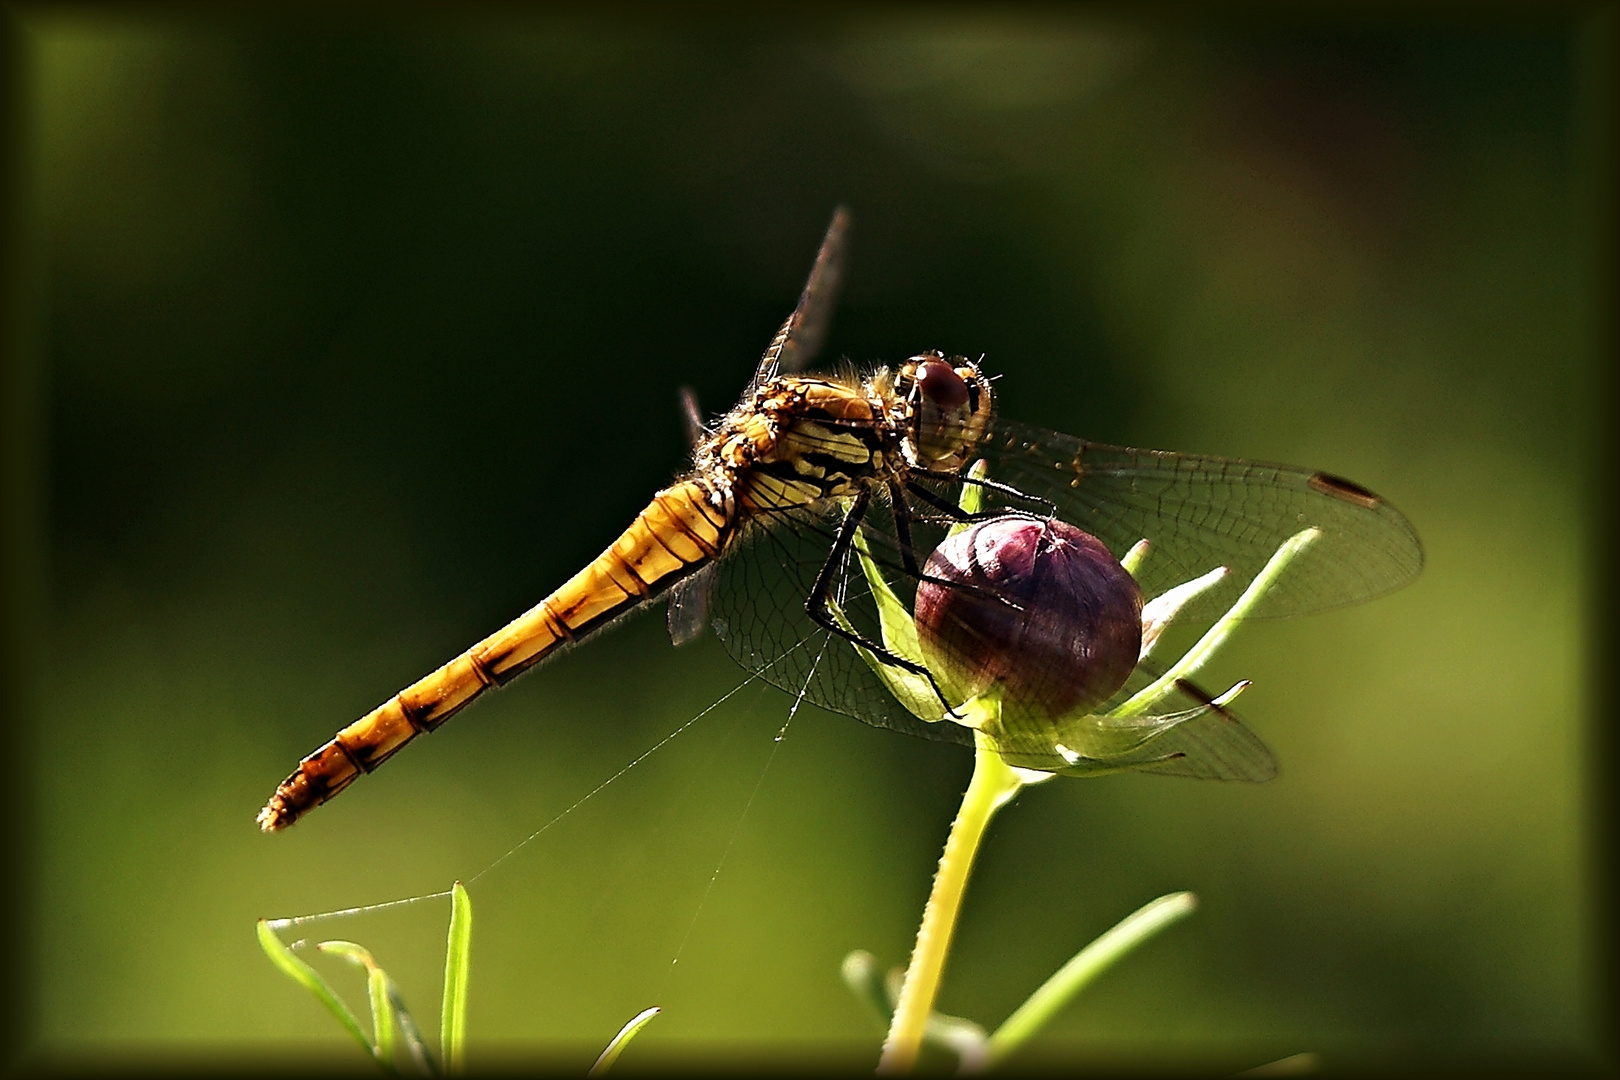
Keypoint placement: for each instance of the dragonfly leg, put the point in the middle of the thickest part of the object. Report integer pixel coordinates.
(948, 510)
(902, 530)
(1047, 505)
(820, 611)
(908, 552)
(902, 524)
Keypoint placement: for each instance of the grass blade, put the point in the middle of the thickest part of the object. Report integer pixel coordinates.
(453, 1017)
(411, 1034)
(377, 987)
(622, 1040)
(311, 980)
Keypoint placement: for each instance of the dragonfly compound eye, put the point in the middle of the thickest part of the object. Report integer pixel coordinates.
(950, 410)
(941, 386)
(1033, 608)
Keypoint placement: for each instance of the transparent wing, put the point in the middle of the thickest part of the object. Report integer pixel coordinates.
(794, 346)
(801, 336)
(1212, 745)
(757, 606)
(820, 296)
(689, 606)
(1185, 734)
(1198, 513)
(692, 416)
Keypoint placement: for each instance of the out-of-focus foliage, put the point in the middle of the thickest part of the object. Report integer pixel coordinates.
(357, 336)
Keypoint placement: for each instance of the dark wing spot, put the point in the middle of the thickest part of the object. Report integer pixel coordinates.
(1191, 689)
(1198, 694)
(1340, 488)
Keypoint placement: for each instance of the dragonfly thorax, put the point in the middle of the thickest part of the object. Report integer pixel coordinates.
(800, 439)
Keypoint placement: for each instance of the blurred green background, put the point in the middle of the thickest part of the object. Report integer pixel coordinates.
(355, 336)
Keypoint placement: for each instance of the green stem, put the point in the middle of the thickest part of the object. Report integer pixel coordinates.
(1085, 966)
(992, 786)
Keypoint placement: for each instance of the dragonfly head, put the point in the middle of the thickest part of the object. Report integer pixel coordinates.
(948, 409)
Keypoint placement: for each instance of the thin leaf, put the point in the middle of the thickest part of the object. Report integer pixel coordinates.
(961, 1037)
(1132, 559)
(453, 1016)
(912, 690)
(311, 980)
(1194, 658)
(382, 1010)
(622, 1040)
(411, 1034)
(1084, 967)
(382, 1014)
(860, 973)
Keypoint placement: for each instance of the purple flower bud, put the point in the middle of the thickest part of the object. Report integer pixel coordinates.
(1045, 611)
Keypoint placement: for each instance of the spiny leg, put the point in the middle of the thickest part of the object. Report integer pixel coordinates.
(903, 517)
(902, 529)
(948, 510)
(817, 606)
(1007, 490)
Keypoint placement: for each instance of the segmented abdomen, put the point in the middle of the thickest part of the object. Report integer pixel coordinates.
(679, 531)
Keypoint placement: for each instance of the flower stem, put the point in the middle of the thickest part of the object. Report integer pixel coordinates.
(992, 786)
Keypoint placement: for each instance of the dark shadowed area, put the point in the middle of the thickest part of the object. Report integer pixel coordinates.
(350, 337)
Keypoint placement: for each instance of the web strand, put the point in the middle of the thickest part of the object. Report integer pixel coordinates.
(298, 920)
(736, 829)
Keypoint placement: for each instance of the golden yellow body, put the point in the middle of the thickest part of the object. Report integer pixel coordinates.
(678, 532)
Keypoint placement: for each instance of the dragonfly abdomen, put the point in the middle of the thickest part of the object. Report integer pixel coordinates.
(681, 530)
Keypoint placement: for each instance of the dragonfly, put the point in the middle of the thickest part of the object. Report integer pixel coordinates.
(816, 493)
